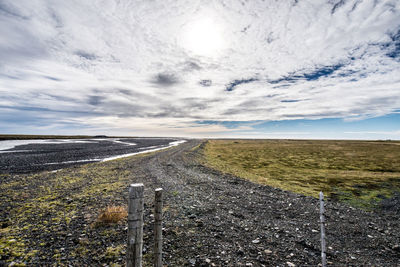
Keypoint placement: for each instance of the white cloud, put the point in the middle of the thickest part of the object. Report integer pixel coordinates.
(126, 60)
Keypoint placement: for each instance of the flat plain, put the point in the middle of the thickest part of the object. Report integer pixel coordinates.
(359, 172)
(26, 156)
(76, 216)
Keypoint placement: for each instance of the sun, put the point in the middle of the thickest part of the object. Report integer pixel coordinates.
(202, 37)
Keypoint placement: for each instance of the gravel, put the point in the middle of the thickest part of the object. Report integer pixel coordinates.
(216, 219)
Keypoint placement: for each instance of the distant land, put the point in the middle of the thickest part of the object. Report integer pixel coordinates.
(29, 136)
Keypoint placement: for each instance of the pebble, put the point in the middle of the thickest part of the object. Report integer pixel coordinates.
(267, 251)
(249, 264)
(256, 241)
(291, 264)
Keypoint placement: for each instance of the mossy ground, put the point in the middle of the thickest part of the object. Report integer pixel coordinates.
(359, 172)
(48, 218)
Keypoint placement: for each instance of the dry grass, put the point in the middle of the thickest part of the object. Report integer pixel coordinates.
(112, 214)
(359, 172)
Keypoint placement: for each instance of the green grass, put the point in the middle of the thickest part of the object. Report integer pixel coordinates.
(358, 172)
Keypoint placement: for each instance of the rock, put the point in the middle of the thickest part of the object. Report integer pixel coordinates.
(267, 251)
(256, 241)
(291, 264)
(208, 260)
(192, 261)
(249, 264)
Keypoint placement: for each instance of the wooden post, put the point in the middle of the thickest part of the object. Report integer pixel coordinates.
(158, 205)
(322, 220)
(135, 226)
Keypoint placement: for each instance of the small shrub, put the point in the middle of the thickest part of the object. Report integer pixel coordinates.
(112, 214)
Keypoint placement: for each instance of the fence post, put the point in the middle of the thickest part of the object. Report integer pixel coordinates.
(135, 226)
(322, 220)
(158, 205)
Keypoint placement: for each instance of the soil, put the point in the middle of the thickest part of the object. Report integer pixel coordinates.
(210, 219)
(40, 157)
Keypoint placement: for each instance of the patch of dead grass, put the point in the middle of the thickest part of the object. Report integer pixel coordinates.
(112, 214)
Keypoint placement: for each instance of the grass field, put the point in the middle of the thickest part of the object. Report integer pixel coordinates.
(358, 172)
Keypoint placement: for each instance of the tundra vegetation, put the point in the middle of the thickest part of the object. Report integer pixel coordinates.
(361, 173)
(77, 216)
(50, 218)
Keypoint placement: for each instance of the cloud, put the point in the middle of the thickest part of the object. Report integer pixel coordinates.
(88, 61)
(313, 75)
(86, 55)
(205, 83)
(231, 86)
(95, 100)
(394, 45)
(165, 79)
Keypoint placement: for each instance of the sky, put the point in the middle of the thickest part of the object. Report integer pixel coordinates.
(326, 69)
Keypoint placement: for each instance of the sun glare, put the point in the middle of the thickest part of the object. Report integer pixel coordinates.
(202, 37)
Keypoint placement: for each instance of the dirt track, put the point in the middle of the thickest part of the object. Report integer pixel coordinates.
(213, 219)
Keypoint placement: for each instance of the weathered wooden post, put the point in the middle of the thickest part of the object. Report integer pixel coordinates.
(322, 220)
(158, 205)
(135, 226)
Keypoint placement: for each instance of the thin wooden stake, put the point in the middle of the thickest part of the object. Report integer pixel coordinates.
(135, 226)
(158, 205)
(322, 219)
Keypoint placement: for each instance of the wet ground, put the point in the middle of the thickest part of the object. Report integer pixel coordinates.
(25, 156)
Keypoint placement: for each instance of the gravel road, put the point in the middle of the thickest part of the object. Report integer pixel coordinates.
(228, 221)
(215, 219)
